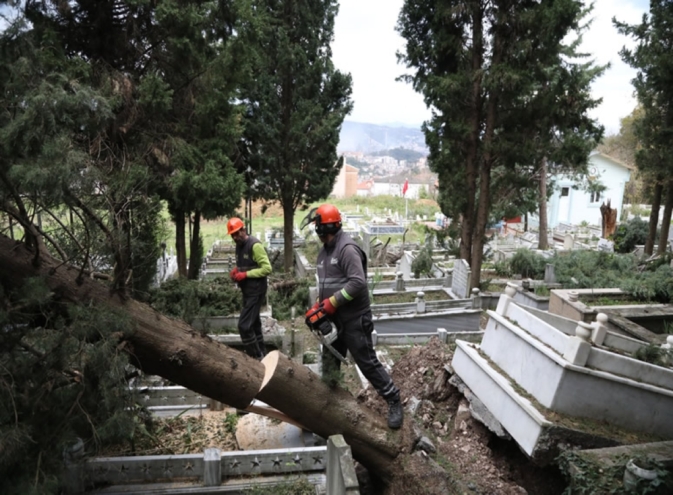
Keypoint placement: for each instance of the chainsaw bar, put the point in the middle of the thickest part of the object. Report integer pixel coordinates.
(334, 352)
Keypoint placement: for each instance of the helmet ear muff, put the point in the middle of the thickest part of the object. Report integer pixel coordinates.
(327, 228)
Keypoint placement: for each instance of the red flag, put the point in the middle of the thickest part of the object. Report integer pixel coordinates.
(405, 186)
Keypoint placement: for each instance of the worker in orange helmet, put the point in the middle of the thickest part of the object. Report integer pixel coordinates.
(252, 269)
(343, 294)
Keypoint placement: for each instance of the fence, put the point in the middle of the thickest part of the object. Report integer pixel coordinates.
(210, 469)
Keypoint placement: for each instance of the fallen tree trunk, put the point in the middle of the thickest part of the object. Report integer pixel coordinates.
(172, 349)
(328, 410)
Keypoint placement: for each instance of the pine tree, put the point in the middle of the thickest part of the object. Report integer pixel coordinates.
(104, 107)
(495, 77)
(653, 83)
(296, 104)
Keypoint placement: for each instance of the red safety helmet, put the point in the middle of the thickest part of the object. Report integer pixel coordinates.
(326, 217)
(234, 225)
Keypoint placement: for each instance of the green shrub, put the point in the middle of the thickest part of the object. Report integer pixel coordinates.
(630, 234)
(528, 264)
(585, 269)
(286, 293)
(502, 269)
(189, 299)
(422, 264)
(654, 286)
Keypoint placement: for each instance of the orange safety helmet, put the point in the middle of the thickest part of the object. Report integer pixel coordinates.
(234, 225)
(326, 217)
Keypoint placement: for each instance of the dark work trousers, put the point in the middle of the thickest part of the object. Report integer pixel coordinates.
(356, 336)
(250, 325)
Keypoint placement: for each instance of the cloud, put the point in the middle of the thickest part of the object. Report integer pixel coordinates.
(604, 43)
(365, 44)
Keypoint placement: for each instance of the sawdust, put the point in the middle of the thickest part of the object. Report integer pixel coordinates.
(186, 434)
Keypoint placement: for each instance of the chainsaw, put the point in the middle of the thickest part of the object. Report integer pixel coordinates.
(324, 329)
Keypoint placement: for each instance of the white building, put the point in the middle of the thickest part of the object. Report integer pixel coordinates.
(570, 204)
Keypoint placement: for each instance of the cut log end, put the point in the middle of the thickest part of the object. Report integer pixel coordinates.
(270, 363)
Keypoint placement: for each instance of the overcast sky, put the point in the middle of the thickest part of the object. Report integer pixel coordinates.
(365, 44)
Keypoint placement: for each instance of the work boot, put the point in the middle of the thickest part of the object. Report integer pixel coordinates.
(395, 413)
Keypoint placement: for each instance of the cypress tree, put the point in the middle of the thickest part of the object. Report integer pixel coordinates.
(499, 86)
(653, 127)
(295, 106)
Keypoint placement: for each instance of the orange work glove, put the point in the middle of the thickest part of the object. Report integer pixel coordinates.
(233, 273)
(239, 276)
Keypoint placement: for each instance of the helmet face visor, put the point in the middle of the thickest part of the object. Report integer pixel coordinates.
(320, 228)
(310, 218)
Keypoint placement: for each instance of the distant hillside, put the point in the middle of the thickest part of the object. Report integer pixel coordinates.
(369, 138)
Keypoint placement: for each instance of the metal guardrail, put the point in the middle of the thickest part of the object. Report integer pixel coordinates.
(430, 306)
(210, 469)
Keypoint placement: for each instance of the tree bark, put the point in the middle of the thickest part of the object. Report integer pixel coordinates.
(666, 220)
(195, 249)
(172, 349)
(467, 222)
(485, 167)
(608, 220)
(543, 238)
(288, 236)
(180, 244)
(654, 218)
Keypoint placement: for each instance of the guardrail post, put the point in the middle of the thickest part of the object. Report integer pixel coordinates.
(212, 467)
(476, 298)
(420, 302)
(399, 282)
(600, 329)
(443, 335)
(375, 337)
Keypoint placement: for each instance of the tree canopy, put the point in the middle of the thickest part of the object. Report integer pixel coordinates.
(653, 60)
(504, 93)
(295, 106)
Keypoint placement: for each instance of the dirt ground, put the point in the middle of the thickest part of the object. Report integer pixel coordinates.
(475, 460)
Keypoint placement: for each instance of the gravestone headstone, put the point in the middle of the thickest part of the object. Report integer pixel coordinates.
(460, 285)
(605, 245)
(568, 241)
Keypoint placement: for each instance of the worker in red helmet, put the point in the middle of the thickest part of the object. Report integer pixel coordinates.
(344, 296)
(252, 269)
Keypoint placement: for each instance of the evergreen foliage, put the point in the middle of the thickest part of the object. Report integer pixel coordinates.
(656, 285)
(527, 263)
(106, 107)
(191, 299)
(289, 295)
(422, 263)
(295, 105)
(653, 127)
(630, 234)
(506, 91)
(62, 377)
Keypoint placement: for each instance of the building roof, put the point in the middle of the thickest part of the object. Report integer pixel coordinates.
(613, 160)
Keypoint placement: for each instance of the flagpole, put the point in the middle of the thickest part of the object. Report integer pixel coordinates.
(406, 200)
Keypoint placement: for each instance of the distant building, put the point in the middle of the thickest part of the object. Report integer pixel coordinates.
(393, 186)
(365, 188)
(346, 184)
